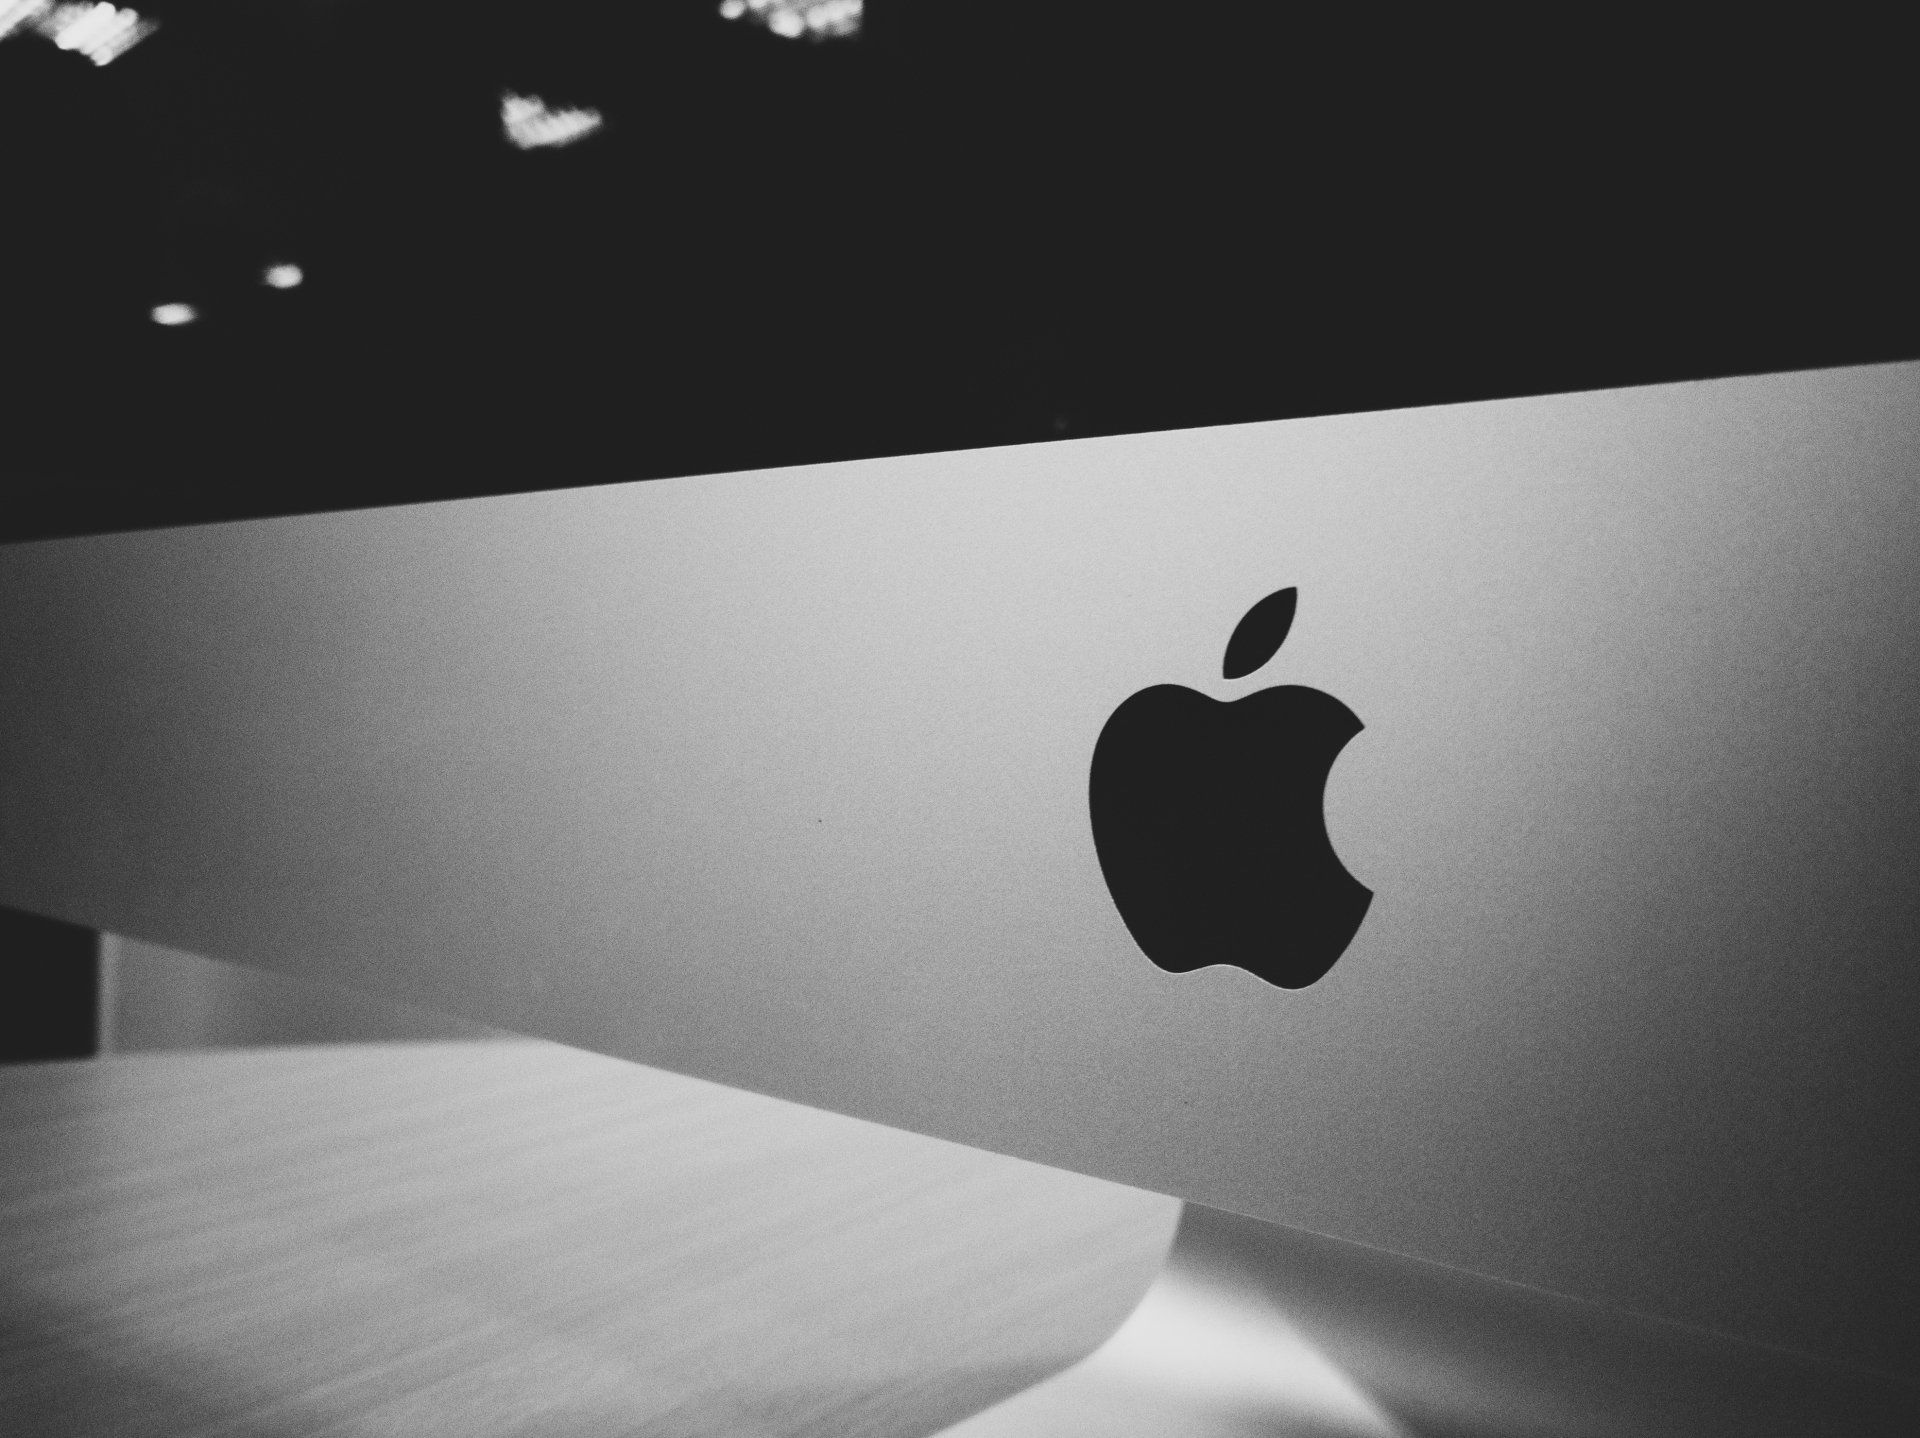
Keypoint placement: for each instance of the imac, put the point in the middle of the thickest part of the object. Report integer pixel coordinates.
(1467, 853)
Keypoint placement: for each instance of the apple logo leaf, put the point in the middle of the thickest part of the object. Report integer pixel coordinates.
(1258, 636)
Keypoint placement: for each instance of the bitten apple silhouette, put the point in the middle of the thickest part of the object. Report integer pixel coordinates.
(1210, 824)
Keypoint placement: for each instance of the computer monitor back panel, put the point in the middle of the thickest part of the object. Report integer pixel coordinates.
(782, 779)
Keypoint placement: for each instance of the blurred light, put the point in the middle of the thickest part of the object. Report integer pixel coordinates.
(100, 32)
(790, 19)
(835, 17)
(529, 125)
(282, 277)
(18, 14)
(175, 314)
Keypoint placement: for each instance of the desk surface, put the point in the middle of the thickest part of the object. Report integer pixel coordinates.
(513, 1237)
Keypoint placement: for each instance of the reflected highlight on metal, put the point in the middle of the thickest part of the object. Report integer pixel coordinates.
(1203, 1356)
(1256, 1331)
(1253, 1330)
(529, 125)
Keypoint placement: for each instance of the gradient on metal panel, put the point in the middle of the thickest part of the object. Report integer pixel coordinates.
(779, 779)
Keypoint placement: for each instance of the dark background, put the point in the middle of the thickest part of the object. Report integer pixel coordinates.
(972, 225)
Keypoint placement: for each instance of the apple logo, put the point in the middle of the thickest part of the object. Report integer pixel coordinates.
(1209, 819)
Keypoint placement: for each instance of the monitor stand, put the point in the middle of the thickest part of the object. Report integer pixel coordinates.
(1252, 1328)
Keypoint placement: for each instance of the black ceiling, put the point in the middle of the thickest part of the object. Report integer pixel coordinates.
(972, 225)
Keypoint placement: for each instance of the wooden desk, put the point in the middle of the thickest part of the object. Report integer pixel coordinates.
(513, 1237)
